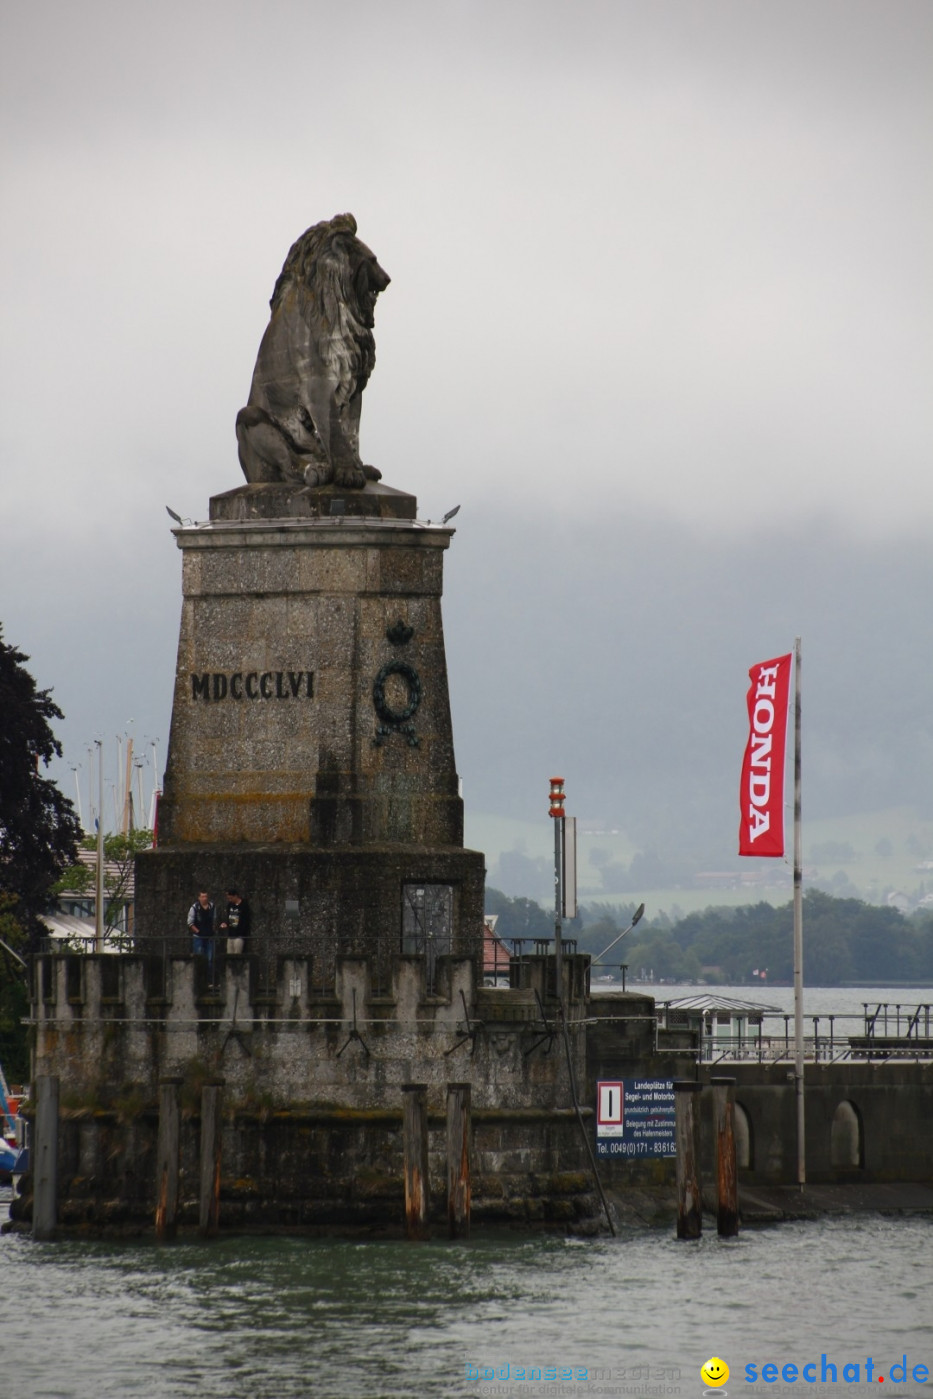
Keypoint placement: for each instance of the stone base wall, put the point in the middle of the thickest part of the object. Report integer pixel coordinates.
(318, 1172)
(110, 1028)
(312, 1087)
(865, 1122)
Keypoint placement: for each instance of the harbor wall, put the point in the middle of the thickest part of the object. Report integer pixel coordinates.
(312, 1088)
(865, 1122)
(312, 1084)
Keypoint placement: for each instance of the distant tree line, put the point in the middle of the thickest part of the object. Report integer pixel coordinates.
(844, 940)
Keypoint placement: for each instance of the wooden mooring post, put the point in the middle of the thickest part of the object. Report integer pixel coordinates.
(459, 1188)
(45, 1159)
(415, 1145)
(167, 1160)
(687, 1142)
(211, 1151)
(727, 1211)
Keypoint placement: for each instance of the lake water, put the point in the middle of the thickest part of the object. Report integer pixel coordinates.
(635, 1315)
(281, 1318)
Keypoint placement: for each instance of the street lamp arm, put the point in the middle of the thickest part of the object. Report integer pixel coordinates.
(637, 919)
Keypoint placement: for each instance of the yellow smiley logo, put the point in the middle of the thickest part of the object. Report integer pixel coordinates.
(715, 1372)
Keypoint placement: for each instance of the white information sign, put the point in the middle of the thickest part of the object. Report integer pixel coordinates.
(635, 1117)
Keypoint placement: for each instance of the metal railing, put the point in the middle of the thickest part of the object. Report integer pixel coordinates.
(888, 1031)
(911, 1021)
(505, 958)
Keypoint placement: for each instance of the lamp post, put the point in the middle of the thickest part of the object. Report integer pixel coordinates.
(565, 906)
(636, 918)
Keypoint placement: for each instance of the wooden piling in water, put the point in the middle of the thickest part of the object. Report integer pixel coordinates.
(687, 1142)
(45, 1159)
(415, 1142)
(727, 1211)
(167, 1160)
(459, 1187)
(211, 1151)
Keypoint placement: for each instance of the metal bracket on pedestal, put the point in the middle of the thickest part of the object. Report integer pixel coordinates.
(472, 1029)
(548, 1032)
(235, 1034)
(354, 1033)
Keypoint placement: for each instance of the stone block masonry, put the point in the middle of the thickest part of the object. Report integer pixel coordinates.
(311, 703)
(311, 761)
(312, 1089)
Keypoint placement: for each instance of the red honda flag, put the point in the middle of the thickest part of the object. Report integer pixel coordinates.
(761, 797)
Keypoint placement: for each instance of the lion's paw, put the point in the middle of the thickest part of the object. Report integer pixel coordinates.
(317, 475)
(351, 477)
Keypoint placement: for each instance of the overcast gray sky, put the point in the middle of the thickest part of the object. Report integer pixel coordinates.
(658, 267)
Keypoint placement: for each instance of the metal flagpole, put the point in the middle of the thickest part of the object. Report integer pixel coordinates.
(798, 934)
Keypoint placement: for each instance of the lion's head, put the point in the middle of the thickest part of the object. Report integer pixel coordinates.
(331, 254)
(302, 419)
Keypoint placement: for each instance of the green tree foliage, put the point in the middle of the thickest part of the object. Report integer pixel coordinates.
(602, 923)
(519, 918)
(844, 940)
(120, 853)
(39, 832)
(39, 828)
(14, 1041)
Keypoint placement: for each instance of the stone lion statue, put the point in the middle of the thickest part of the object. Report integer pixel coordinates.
(302, 421)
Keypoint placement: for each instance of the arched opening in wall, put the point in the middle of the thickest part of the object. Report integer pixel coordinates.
(744, 1155)
(847, 1142)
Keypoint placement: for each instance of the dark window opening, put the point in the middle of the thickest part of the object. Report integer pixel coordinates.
(427, 925)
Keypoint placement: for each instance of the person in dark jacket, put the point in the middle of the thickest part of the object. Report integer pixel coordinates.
(237, 923)
(201, 927)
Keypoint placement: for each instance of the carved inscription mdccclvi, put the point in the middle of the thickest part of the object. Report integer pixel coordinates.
(214, 686)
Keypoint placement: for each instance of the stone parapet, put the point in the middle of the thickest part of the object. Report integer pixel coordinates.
(278, 1035)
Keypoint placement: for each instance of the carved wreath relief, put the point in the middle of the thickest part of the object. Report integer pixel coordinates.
(397, 708)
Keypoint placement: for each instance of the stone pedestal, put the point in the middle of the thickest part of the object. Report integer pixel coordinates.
(311, 758)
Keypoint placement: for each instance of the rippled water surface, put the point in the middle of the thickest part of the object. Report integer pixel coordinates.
(251, 1318)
